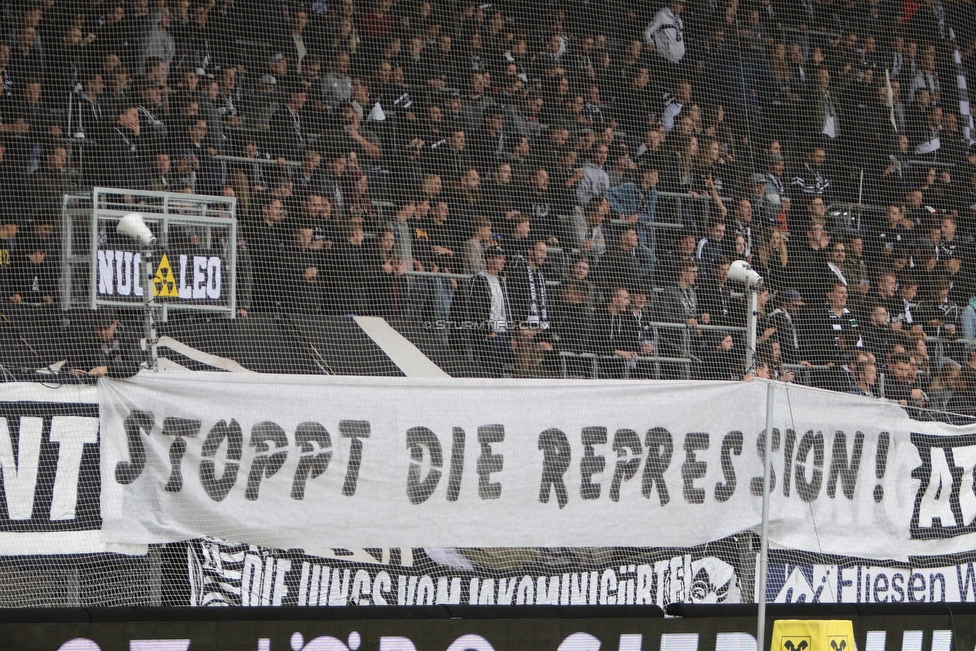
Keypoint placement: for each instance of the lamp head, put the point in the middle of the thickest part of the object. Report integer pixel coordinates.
(133, 226)
(742, 272)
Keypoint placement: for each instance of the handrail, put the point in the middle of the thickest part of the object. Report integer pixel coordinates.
(931, 163)
(594, 359)
(700, 326)
(259, 161)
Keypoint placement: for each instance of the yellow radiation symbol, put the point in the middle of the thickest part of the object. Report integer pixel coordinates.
(164, 283)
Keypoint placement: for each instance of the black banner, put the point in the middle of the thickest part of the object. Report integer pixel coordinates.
(458, 629)
(49, 455)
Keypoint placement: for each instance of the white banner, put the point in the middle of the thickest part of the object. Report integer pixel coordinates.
(298, 462)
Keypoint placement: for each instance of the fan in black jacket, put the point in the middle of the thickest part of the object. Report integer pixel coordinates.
(616, 335)
(112, 351)
(288, 131)
(486, 315)
(32, 279)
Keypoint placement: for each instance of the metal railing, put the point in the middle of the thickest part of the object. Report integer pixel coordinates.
(256, 160)
(655, 362)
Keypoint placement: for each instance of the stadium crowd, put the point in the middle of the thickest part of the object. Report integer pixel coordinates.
(563, 175)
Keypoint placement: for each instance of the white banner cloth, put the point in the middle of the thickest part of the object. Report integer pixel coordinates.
(289, 461)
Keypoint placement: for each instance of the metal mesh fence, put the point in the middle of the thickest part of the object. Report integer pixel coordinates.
(554, 190)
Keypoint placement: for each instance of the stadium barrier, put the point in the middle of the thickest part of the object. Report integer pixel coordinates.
(551, 493)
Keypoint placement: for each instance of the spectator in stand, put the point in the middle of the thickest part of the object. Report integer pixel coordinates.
(682, 97)
(359, 205)
(501, 198)
(33, 122)
(452, 158)
(865, 377)
(44, 233)
(444, 248)
(715, 165)
(518, 240)
(637, 202)
(309, 179)
(884, 292)
(474, 248)
(666, 37)
(682, 250)
(877, 333)
(573, 322)
(829, 330)
(287, 127)
(855, 269)
(896, 230)
(645, 332)
(489, 141)
(158, 44)
(125, 153)
(812, 177)
(619, 266)
(927, 141)
(488, 305)
(467, 200)
(740, 224)
(903, 317)
(301, 284)
(579, 272)
(91, 114)
(943, 386)
(50, 183)
(112, 351)
(636, 102)
(938, 314)
(616, 339)
(722, 361)
(316, 211)
(267, 244)
(901, 384)
(622, 168)
(777, 190)
(351, 273)
(262, 103)
(152, 110)
(785, 319)
(357, 138)
(808, 263)
(529, 300)
(679, 304)
(710, 247)
(715, 296)
(388, 285)
(538, 202)
(32, 278)
(595, 180)
(927, 77)
(405, 212)
(589, 234)
(771, 259)
(836, 255)
(197, 152)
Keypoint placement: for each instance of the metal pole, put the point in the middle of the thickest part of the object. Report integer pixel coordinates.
(147, 305)
(71, 103)
(764, 532)
(752, 314)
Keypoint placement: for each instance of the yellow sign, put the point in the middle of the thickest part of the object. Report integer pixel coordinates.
(164, 283)
(812, 635)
